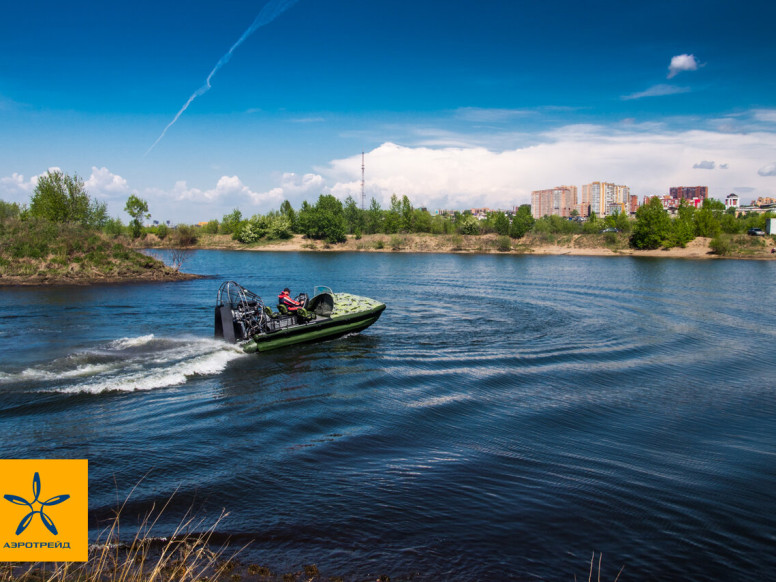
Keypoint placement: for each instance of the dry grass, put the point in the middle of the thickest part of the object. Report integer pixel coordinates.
(597, 572)
(182, 556)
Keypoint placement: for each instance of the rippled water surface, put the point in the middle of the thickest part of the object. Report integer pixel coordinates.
(504, 419)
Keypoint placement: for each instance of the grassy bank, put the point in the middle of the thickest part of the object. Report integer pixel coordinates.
(36, 252)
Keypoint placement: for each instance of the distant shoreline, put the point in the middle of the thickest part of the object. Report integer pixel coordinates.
(571, 245)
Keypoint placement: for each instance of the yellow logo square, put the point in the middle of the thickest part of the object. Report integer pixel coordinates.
(44, 508)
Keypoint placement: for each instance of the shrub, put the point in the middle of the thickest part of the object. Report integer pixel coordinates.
(113, 227)
(504, 244)
(720, 245)
(211, 227)
(185, 235)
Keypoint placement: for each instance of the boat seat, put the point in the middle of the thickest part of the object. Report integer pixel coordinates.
(304, 315)
(269, 313)
(301, 313)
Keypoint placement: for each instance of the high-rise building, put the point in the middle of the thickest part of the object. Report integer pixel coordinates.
(560, 201)
(689, 192)
(606, 198)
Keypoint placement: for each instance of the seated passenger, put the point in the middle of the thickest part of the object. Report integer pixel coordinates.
(285, 299)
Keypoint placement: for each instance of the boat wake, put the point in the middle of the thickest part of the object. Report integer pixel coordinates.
(128, 364)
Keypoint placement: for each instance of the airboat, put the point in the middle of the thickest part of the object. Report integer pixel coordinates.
(242, 317)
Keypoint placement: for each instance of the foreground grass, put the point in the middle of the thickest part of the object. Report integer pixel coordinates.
(183, 556)
(40, 251)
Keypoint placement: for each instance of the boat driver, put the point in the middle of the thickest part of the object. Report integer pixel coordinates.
(285, 299)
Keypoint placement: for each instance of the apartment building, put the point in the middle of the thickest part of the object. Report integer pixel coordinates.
(689, 192)
(606, 198)
(560, 201)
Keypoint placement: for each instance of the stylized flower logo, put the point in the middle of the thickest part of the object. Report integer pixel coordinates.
(27, 519)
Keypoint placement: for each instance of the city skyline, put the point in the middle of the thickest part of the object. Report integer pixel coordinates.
(455, 105)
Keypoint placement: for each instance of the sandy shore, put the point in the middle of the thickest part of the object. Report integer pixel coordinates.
(575, 245)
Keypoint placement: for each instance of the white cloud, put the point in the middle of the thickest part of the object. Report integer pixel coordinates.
(647, 162)
(657, 91)
(228, 189)
(768, 170)
(105, 184)
(681, 63)
(767, 115)
(16, 188)
(704, 165)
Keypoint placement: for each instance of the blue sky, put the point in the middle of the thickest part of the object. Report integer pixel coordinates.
(457, 104)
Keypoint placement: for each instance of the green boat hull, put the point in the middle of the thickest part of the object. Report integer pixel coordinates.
(315, 331)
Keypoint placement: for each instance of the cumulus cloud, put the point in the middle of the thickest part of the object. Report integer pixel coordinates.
(704, 165)
(681, 63)
(768, 170)
(649, 162)
(105, 184)
(228, 189)
(657, 91)
(17, 188)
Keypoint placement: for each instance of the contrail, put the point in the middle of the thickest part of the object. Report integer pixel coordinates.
(270, 12)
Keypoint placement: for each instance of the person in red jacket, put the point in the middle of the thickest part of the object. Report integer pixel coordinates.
(285, 299)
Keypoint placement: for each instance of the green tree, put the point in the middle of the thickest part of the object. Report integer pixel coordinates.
(230, 223)
(407, 215)
(374, 217)
(354, 217)
(707, 218)
(288, 211)
(59, 197)
(729, 223)
(653, 226)
(251, 230)
(500, 223)
(392, 220)
(683, 226)
(421, 220)
(138, 210)
(442, 225)
(325, 220)
(468, 225)
(522, 222)
(279, 226)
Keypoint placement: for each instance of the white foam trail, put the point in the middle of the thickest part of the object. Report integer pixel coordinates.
(130, 342)
(170, 367)
(128, 364)
(270, 12)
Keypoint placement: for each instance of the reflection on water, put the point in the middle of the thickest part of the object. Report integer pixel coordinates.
(506, 416)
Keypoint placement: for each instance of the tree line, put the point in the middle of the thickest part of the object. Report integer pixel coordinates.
(332, 220)
(59, 197)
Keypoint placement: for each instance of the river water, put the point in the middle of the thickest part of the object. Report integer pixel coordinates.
(504, 419)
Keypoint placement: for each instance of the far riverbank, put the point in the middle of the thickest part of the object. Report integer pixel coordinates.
(580, 245)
